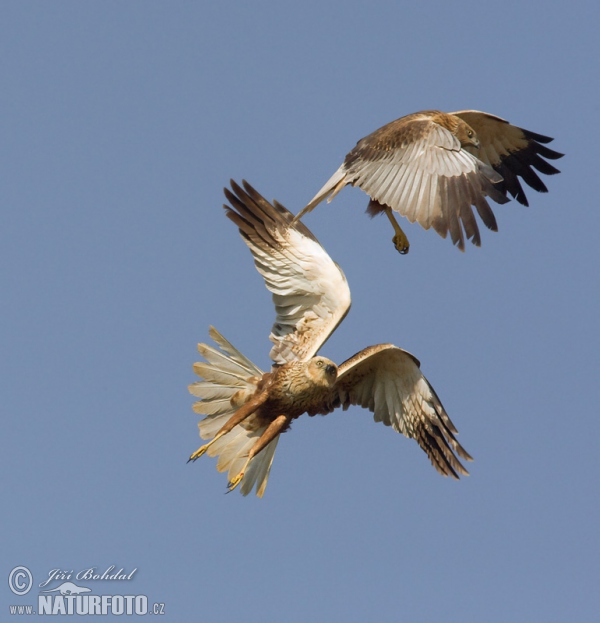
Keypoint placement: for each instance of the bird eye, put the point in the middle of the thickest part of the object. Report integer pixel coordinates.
(470, 133)
(319, 364)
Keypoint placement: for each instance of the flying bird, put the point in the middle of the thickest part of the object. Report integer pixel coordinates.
(247, 409)
(432, 167)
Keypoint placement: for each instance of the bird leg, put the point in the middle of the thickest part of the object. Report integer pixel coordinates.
(239, 416)
(400, 240)
(275, 427)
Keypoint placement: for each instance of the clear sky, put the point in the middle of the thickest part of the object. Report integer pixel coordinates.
(121, 123)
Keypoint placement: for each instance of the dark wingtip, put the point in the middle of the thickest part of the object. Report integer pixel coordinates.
(534, 136)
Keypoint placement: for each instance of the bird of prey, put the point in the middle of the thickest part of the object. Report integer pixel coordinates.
(247, 409)
(432, 167)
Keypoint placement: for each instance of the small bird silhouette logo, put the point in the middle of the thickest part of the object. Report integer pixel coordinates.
(68, 588)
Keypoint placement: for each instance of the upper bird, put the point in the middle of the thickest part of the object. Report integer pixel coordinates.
(433, 166)
(247, 409)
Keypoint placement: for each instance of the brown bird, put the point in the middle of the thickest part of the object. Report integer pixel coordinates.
(247, 409)
(432, 167)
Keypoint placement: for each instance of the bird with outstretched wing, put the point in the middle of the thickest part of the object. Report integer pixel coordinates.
(247, 409)
(432, 167)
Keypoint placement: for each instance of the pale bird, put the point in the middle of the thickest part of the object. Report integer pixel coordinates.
(247, 409)
(432, 167)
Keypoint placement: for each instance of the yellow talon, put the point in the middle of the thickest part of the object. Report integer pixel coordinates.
(202, 449)
(199, 452)
(401, 243)
(234, 482)
(400, 240)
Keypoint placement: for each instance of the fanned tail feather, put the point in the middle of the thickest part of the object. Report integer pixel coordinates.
(232, 450)
(229, 380)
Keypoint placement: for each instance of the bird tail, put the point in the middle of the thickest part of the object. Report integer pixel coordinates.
(332, 187)
(230, 379)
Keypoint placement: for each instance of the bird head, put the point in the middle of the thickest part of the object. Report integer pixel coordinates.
(466, 135)
(322, 371)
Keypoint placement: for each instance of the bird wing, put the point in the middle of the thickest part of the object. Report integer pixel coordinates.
(387, 380)
(512, 151)
(310, 291)
(418, 168)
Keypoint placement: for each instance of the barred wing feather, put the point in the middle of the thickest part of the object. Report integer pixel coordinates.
(310, 291)
(387, 380)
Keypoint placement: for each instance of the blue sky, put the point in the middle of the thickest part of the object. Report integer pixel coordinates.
(122, 122)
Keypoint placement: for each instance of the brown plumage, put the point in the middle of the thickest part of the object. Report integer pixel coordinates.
(292, 389)
(432, 167)
(248, 409)
(279, 397)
